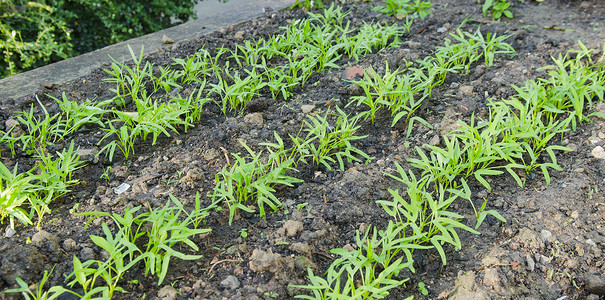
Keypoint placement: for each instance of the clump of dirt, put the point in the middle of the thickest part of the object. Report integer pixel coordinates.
(551, 246)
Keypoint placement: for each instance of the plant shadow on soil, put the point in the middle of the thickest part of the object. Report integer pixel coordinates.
(550, 246)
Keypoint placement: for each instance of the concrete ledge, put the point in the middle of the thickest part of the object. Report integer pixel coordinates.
(29, 82)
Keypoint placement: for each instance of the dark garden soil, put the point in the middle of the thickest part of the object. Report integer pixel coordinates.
(551, 246)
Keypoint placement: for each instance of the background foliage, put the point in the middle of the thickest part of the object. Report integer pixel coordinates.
(34, 33)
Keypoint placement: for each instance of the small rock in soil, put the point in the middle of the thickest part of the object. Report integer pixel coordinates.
(412, 44)
(531, 264)
(598, 152)
(596, 284)
(354, 90)
(89, 154)
(466, 90)
(293, 227)
(467, 289)
(166, 39)
(434, 141)
(529, 238)
(351, 73)
(231, 283)
(301, 248)
(9, 232)
(491, 278)
(87, 254)
(262, 261)
(239, 36)
(307, 108)
(17, 130)
(69, 245)
(254, 118)
(167, 293)
(547, 236)
(45, 240)
(257, 104)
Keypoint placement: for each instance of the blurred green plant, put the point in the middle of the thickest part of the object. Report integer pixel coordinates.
(35, 33)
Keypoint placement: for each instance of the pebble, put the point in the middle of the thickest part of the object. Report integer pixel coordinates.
(254, 118)
(301, 248)
(441, 29)
(9, 232)
(591, 243)
(598, 152)
(262, 261)
(89, 154)
(594, 140)
(239, 36)
(546, 235)
(231, 282)
(167, 293)
(491, 278)
(293, 227)
(307, 108)
(166, 39)
(531, 264)
(466, 90)
(69, 245)
(44, 239)
(351, 73)
(17, 130)
(412, 45)
(87, 254)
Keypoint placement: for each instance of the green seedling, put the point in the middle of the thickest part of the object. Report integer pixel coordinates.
(243, 233)
(394, 91)
(101, 277)
(402, 8)
(166, 81)
(14, 195)
(192, 106)
(422, 288)
(53, 179)
(7, 138)
(482, 214)
(325, 144)
(365, 273)
(426, 213)
(78, 115)
(235, 97)
(498, 8)
(41, 131)
(129, 81)
(163, 229)
(38, 293)
(167, 231)
(252, 178)
(194, 68)
(372, 37)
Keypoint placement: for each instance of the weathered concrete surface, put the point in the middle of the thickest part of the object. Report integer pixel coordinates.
(209, 20)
